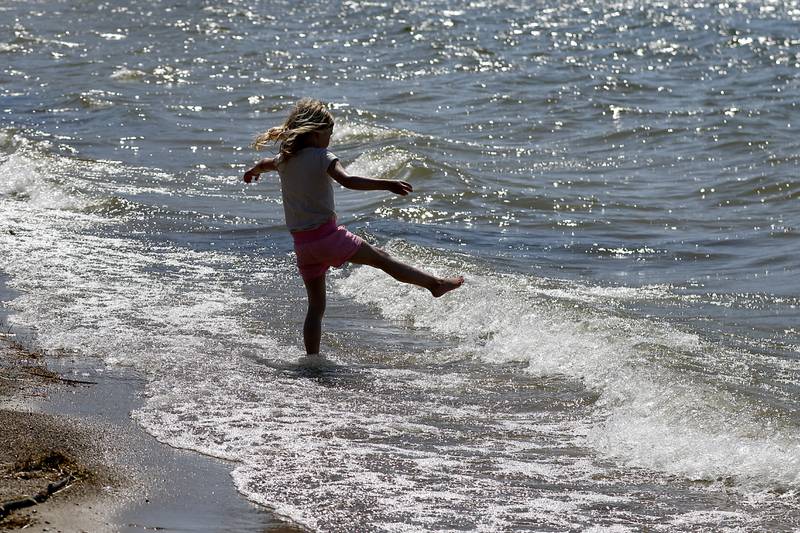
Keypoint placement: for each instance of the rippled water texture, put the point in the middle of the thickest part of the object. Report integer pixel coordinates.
(617, 180)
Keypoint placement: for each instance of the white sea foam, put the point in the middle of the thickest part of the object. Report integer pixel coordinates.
(24, 178)
(127, 74)
(652, 410)
(380, 164)
(9, 47)
(716, 520)
(348, 131)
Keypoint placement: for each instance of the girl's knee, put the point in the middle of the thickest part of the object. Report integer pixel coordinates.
(316, 309)
(369, 255)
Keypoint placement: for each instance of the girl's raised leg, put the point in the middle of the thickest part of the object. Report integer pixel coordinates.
(312, 328)
(375, 257)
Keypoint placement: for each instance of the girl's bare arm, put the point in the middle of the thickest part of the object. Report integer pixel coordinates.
(359, 183)
(265, 165)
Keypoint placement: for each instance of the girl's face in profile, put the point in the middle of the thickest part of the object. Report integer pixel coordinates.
(322, 138)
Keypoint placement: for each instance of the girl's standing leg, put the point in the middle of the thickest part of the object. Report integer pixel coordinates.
(312, 328)
(375, 257)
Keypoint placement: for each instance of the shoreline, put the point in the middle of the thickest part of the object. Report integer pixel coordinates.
(68, 419)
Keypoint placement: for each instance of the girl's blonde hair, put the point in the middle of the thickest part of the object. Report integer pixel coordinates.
(308, 115)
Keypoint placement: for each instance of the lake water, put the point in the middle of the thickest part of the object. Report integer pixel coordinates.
(618, 182)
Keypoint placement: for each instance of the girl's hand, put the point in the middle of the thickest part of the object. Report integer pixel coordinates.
(265, 165)
(251, 175)
(400, 187)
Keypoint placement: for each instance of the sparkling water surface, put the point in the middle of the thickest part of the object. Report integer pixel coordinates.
(618, 181)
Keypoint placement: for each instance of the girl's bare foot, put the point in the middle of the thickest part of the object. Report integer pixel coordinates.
(445, 285)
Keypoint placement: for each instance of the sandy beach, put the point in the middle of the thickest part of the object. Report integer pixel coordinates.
(71, 459)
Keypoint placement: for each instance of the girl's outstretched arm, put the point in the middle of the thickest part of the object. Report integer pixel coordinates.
(359, 183)
(265, 165)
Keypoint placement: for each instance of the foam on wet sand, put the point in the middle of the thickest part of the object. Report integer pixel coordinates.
(71, 427)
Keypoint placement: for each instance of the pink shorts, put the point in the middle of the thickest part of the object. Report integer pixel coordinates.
(321, 248)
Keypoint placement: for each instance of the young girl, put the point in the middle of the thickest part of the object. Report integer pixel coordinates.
(305, 167)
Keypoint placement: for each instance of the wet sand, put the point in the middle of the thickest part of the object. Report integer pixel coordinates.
(66, 427)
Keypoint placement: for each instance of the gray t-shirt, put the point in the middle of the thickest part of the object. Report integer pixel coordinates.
(306, 188)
